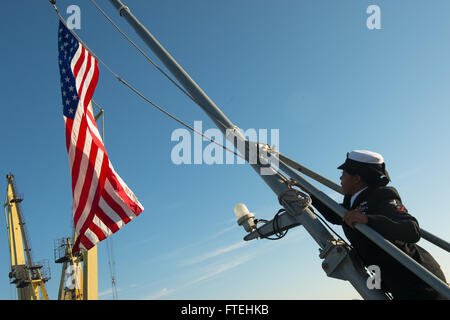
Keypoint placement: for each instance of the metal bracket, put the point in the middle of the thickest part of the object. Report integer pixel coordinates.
(262, 149)
(285, 221)
(123, 7)
(333, 255)
(298, 201)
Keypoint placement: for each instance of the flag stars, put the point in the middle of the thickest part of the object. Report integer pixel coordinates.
(67, 79)
(70, 111)
(74, 97)
(67, 101)
(71, 88)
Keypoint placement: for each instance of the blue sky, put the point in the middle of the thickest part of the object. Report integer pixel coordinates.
(311, 69)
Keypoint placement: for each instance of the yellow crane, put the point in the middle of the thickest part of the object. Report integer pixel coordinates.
(79, 272)
(26, 275)
(79, 275)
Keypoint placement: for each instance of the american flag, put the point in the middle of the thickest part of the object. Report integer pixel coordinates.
(102, 202)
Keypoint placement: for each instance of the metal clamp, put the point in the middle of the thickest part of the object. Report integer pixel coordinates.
(333, 255)
(298, 200)
(123, 7)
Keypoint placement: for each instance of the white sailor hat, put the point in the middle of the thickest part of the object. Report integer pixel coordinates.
(368, 164)
(366, 156)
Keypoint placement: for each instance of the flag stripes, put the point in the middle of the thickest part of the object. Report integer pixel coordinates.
(102, 202)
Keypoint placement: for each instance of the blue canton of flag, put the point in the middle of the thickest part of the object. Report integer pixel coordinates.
(67, 46)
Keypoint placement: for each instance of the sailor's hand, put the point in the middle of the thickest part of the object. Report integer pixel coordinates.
(355, 216)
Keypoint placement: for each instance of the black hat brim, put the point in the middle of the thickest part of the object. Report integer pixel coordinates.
(356, 166)
(365, 170)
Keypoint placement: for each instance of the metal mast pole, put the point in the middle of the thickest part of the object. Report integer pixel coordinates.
(341, 263)
(90, 258)
(343, 266)
(374, 236)
(275, 181)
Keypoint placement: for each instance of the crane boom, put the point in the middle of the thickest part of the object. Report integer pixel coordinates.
(79, 274)
(24, 273)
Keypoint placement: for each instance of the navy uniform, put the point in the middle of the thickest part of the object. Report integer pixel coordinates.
(388, 216)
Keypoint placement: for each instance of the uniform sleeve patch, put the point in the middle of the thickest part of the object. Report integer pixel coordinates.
(398, 206)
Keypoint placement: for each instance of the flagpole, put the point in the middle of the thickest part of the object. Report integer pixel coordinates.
(90, 257)
(86, 216)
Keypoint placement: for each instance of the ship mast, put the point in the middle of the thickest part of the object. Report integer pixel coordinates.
(337, 261)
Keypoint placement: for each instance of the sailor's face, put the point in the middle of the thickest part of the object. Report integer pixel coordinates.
(349, 183)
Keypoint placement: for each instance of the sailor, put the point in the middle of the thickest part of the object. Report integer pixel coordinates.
(371, 202)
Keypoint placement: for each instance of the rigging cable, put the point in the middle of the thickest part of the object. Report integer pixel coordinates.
(154, 63)
(110, 250)
(112, 266)
(124, 82)
(174, 82)
(275, 225)
(291, 185)
(109, 240)
(170, 79)
(140, 50)
(138, 92)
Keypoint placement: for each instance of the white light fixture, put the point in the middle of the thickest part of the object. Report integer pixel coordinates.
(245, 218)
